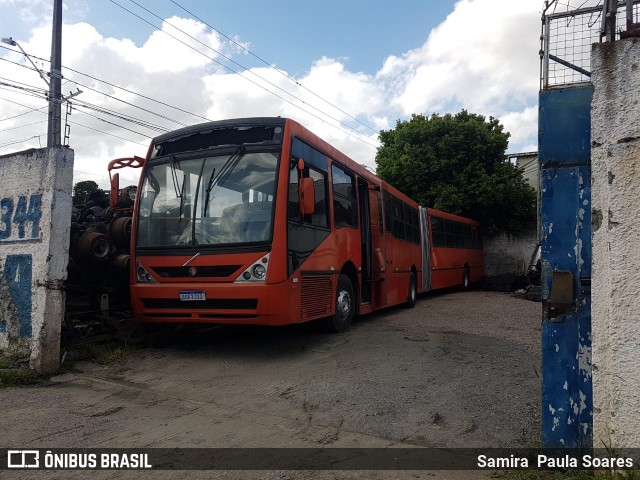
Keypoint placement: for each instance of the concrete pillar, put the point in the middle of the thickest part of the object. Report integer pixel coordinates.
(615, 155)
(35, 219)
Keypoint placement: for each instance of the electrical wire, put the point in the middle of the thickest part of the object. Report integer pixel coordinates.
(21, 114)
(22, 126)
(27, 90)
(112, 123)
(270, 65)
(253, 82)
(158, 101)
(22, 140)
(80, 124)
(127, 118)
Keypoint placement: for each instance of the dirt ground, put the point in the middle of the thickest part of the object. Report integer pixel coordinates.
(459, 370)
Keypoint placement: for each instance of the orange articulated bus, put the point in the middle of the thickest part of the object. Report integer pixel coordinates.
(259, 221)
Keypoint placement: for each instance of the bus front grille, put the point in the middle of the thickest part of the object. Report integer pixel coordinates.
(216, 271)
(316, 297)
(214, 304)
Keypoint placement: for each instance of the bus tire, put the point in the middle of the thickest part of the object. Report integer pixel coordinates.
(466, 280)
(345, 307)
(413, 291)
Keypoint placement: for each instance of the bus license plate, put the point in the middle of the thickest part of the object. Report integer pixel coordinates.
(192, 296)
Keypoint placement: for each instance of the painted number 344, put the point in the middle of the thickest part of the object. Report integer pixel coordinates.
(15, 217)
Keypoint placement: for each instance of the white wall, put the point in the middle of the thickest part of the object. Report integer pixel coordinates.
(35, 218)
(615, 160)
(507, 256)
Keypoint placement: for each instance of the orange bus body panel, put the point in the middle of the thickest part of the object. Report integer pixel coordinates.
(447, 264)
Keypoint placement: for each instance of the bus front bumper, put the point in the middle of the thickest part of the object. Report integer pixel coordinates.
(246, 304)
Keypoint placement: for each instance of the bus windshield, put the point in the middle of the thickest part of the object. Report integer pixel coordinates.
(210, 200)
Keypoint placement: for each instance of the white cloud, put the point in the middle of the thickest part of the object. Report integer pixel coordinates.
(483, 57)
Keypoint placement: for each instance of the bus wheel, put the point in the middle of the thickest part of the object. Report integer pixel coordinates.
(466, 280)
(411, 296)
(345, 305)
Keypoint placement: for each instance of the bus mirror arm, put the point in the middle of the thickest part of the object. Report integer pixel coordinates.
(118, 163)
(307, 196)
(115, 188)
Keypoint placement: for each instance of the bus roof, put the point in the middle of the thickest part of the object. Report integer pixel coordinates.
(451, 216)
(301, 131)
(251, 121)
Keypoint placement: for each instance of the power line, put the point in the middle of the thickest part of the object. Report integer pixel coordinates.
(107, 133)
(21, 114)
(22, 126)
(81, 125)
(102, 110)
(126, 118)
(130, 104)
(22, 140)
(114, 86)
(112, 123)
(246, 78)
(105, 111)
(270, 65)
(21, 105)
(158, 101)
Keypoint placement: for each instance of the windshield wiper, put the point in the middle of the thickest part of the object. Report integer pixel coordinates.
(225, 171)
(174, 176)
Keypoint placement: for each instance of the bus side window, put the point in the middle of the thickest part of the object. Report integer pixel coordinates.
(437, 230)
(398, 218)
(380, 213)
(344, 198)
(319, 217)
(450, 233)
(316, 169)
(387, 212)
(293, 207)
(468, 239)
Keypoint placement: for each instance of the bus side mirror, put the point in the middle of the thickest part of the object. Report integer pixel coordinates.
(115, 188)
(307, 196)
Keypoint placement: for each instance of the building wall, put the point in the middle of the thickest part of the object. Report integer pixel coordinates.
(531, 168)
(35, 219)
(507, 256)
(615, 157)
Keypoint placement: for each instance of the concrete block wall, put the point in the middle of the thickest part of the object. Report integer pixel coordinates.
(507, 256)
(615, 156)
(35, 219)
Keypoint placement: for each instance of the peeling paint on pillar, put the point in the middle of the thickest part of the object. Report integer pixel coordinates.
(17, 271)
(35, 219)
(564, 155)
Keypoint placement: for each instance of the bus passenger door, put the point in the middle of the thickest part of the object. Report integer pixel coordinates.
(378, 249)
(365, 240)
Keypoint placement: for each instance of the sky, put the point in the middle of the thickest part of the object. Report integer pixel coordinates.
(345, 70)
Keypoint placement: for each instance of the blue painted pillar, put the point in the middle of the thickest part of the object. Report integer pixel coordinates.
(565, 211)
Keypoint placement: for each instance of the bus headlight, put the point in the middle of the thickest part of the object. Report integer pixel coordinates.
(143, 275)
(259, 271)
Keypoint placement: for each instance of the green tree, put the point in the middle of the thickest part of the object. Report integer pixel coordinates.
(84, 191)
(456, 163)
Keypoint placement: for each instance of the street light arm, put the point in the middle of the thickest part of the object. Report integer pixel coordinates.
(13, 43)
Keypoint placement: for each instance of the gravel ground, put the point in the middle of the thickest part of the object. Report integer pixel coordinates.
(459, 370)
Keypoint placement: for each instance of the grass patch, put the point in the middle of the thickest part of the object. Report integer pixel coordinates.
(101, 353)
(18, 377)
(113, 353)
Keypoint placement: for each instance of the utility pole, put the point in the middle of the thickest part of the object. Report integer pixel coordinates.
(55, 84)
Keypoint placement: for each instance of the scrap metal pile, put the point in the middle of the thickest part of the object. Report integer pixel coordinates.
(97, 285)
